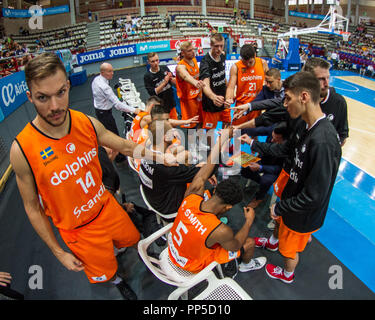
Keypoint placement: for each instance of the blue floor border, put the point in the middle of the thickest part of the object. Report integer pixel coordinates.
(349, 229)
(348, 245)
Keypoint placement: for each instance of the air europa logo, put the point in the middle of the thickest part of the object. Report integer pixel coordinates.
(10, 91)
(7, 93)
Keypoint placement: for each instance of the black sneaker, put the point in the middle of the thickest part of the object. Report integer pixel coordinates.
(126, 291)
(230, 269)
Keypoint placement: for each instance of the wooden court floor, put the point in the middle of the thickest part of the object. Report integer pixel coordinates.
(360, 146)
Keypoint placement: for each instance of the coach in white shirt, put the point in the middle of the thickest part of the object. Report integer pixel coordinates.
(105, 99)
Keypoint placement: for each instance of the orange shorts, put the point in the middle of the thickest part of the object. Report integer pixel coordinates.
(251, 115)
(220, 255)
(210, 119)
(291, 242)
(93, 243)
(280, 183)
(189, 109)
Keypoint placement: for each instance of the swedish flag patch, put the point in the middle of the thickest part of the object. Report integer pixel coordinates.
(46, 153)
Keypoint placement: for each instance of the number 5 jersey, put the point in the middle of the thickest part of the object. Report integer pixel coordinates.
(187, 240)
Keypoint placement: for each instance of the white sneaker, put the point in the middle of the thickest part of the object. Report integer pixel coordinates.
(254, 264)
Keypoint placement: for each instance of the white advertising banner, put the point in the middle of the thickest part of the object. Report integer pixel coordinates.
(258, 41)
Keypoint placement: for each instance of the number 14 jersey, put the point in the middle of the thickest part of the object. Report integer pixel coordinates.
(67, 171)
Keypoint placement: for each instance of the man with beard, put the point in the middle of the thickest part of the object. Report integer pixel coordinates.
(58, 173)
(332, 103)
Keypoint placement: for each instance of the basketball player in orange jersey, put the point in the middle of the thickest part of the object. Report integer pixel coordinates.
(189, 87)
(198, 237)
(142, 120)
(55, 158)
(248, 76)
(138, 131)
(155, 110)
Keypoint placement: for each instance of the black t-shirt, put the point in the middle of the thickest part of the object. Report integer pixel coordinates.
(110, 177)
(315, 155)
(165, 187)
(336, 111)
(209, 68)
(153, 80)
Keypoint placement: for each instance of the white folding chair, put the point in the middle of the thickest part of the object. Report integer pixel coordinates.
(217, 289)
(165, 270)
(159, 216)
(124, 81)
(132, 164)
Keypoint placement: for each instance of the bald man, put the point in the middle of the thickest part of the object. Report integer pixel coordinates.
(105, 99)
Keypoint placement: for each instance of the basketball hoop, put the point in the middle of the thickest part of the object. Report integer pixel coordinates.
(345, 36)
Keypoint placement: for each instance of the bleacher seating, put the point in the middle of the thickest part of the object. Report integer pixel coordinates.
(188, 21)
(154, 26)
(78, 31)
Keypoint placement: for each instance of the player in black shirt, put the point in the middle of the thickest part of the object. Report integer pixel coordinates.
(212, 73)
(332, 103)
(314, 148)
(164, 187)
(158, 81)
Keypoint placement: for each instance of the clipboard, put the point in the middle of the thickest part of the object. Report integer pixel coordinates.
(243, 159)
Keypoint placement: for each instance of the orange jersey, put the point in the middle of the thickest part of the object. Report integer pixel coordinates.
(187, 239)
(67, 171)
(135, 129)
(143, 135)
(249, 81)
(186, 90)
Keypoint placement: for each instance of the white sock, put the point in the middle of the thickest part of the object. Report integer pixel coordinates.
(273, 240)
(117, 280)
(288, 274)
